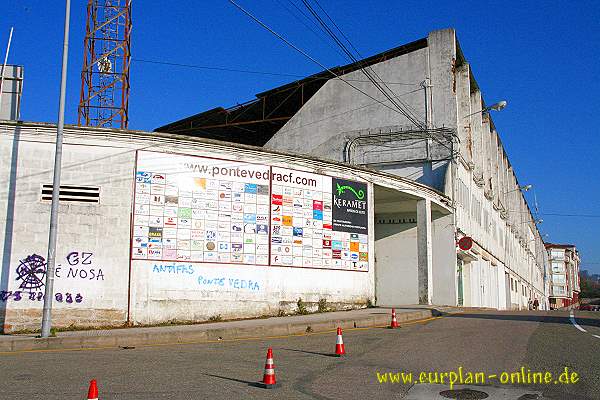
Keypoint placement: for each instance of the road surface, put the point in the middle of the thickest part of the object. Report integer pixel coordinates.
(478, 341)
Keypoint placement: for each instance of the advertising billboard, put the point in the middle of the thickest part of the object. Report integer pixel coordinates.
(208, 210)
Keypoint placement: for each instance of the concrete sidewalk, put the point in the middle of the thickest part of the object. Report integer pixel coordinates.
(199, 333)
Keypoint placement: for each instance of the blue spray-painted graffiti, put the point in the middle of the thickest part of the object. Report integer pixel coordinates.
(227, 282)
(231, 283)
(211, 281)
(174, 268)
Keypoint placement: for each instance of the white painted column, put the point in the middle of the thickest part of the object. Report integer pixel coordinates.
(424, 252)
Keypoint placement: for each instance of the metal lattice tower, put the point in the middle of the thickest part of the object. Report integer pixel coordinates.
(104, 98)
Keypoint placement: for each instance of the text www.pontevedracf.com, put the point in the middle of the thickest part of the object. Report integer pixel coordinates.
(460, 376)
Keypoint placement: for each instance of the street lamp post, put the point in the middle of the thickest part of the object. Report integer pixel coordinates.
(496, 107)
(524, 188)
(49, 290)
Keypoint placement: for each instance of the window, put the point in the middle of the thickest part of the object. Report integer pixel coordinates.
(486, 220)
(476, 210)
(463, 194)
(558, 267)
(558, 279)
(558, 290)
(72, 194)
(558, 254)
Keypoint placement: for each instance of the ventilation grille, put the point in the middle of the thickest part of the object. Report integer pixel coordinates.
(73, 194)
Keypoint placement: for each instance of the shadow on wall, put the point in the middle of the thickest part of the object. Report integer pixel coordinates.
(390, 225)
(9, 226)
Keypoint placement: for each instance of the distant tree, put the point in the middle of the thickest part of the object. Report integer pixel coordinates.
(590, 288)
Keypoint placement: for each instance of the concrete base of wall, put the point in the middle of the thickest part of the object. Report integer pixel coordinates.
(220, 331)
(31, 319)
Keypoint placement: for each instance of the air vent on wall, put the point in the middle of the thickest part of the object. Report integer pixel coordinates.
(73, 194)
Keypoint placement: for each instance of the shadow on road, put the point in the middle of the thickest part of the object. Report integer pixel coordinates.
(545, 318)
(253, 384)
(312, 352)
(435, 312)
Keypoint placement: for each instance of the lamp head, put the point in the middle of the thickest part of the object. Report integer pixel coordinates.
(498, 106)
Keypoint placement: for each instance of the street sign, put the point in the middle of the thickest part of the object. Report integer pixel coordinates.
(465, 243)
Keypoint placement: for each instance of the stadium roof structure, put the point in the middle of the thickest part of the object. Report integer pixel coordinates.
(256, 121)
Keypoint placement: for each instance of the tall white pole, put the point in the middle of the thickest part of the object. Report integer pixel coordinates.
(49, 292)
(4, 66)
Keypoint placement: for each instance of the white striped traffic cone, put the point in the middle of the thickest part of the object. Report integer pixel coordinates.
(269, 380)
(339, 344)
(394, 323)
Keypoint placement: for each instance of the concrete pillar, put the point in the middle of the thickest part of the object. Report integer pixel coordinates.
(463, 98)
(444, 259)
(424, 251)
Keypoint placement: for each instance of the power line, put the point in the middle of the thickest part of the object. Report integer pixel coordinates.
(559, 214)
(572, 215)
(407, 108)
(340, 114)
(310, 28)
(206, 67)
(247, 71)
(305, 54)
(352, 58)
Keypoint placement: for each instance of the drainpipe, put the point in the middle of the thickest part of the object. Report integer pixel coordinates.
(427, 166)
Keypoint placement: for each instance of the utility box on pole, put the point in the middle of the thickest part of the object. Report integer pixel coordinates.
(12, 90)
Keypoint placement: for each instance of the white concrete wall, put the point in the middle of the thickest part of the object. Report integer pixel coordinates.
(326, 120)
(94, 239)
(92, 251)
(396, 275)
(204, 290)
(444, 260)
(489, 205)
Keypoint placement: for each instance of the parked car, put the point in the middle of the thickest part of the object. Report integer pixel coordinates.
(589, 307)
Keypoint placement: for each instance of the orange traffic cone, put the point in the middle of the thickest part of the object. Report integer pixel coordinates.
(339, 344)
(93, 390)
(394, 323)
(269, 380)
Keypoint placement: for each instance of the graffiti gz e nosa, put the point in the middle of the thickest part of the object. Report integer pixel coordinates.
(31, 275)
(80, 267)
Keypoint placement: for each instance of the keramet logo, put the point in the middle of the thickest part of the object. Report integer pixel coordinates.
(341, 189)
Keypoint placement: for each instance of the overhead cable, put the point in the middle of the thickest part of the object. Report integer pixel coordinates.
(368, 71)
(305, 54)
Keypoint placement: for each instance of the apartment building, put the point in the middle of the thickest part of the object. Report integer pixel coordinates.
(564, 275)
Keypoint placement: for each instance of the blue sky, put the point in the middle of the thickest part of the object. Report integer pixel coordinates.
(543, 57)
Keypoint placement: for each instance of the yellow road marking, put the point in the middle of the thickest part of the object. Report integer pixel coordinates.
(418, 321)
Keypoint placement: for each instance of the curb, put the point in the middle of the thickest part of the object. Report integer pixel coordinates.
(171, 336)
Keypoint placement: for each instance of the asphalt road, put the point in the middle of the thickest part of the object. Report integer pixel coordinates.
(489, 342)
